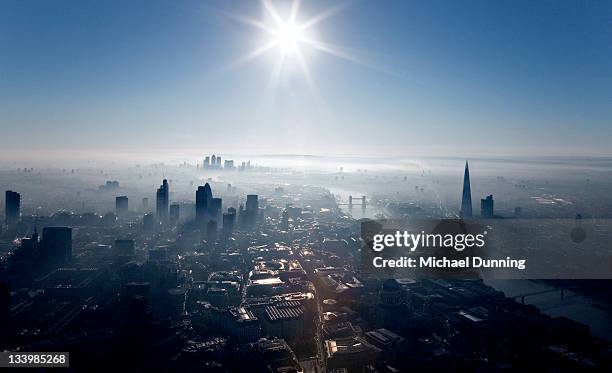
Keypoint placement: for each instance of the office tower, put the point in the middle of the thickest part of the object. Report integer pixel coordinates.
(12, 207)
(466, 198)
(206, 162)
(241, 215)
(219, 162)
(124, 247)
(121, 206)
(29, 247)
(175, 212)
(486, 207)
(518, 211)
(213, 161)
(148, 223)
(228, 164)
(211, 231)
(229, 221)
(203, 204)
(252, 203)
(162, 202)
(252, 208)
(57, 245)
(216, 208)
(145, 204)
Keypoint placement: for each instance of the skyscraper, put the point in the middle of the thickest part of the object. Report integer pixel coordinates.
(252, 208)
(203, 204)
(252, 203)
(121, 206)
(486, 207)
(162, 202)
(175, 212)
(12, 207)
(466, 199)
(229, 221)
(57, 244)
(148, 223)
(216, 209)
(211, 231)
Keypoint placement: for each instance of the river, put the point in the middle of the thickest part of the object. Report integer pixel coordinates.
(575, 306)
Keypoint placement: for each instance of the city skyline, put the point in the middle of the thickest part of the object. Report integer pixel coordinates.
(478, 78)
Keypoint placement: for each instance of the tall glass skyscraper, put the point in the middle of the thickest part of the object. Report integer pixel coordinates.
(163, 201)
(466, 198)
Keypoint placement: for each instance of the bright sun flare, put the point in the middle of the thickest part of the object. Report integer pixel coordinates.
(289, 37)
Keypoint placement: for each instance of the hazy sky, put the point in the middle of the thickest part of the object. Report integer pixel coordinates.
(410, 77)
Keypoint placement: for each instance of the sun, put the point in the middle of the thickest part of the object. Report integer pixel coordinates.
(290, 37)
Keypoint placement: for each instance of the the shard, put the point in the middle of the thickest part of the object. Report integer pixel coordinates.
(466, 198)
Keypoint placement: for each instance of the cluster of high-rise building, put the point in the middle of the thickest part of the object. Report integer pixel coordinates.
(282, 289)
(209, 215)
(214, 162)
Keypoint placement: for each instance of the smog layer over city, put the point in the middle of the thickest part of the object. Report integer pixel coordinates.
(253, 186)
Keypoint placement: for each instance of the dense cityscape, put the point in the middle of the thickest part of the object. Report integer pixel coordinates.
(274, 278)
(292, 186)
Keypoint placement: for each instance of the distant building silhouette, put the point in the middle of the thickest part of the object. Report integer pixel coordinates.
(30, 247)
(251, 208)
(124, 247)
(148, 223)
(163, 200)
(121, 206)
(57, 245)
(466, 198)
(175, 212)
(229, 221)
(211, 231)
(203, 205)
(145, 204)
(518, 211)
(486, 207)
(216, 209)
(12, 207)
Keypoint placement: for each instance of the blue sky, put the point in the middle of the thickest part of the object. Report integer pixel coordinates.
(424, 77)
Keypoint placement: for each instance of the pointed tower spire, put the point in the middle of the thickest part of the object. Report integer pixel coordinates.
(466, 199)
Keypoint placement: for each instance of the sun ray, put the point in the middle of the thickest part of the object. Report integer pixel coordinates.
(250, 22)
(295, 8)
(337, 52)
(272, 11)
(321, 16)
(292, 38)
(274, 77)
(254, 54)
